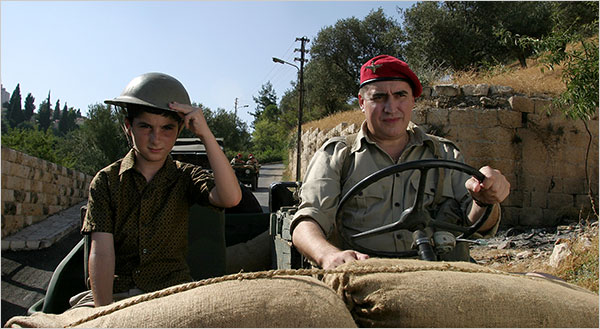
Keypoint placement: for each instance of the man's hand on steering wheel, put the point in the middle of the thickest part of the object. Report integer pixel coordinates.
(494, 188)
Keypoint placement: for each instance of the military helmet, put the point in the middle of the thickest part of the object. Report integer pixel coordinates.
(152, 89)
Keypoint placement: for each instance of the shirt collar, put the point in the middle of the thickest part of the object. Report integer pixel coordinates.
(169, 167)
(416, 136)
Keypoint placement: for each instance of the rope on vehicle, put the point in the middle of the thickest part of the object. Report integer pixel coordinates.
(276, 273)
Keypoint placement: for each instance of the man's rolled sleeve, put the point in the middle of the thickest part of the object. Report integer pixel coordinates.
(320, 191)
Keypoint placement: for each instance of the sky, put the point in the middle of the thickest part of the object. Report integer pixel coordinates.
(84, 52)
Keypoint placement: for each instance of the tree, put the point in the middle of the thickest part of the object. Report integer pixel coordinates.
(229, 127)
(29, 107)
(266, 97)
(45, 114)
(338, 52)
(56, 114)
(102, 131)
(14, 113)
(270, 141)
(67, 121)
(463, 34)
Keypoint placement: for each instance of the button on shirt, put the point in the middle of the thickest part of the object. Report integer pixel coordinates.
(148, 220)
(384, 201)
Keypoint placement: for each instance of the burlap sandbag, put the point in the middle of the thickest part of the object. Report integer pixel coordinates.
(287, 301)
(414, 293)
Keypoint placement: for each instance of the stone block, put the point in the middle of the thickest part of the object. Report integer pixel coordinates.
(539, 199)
(514, 199)
(542, 105)
(486, 118)
(438, 117)
(461, 117)
(16, 245)
(6, 167)
(9, 154)
(475, 90)
(510, 216)
(426, 92)
(419, 116)
(30, 209)
(32, 245)
(8, 195)
(560, 200)
(449, 90)
(532, 217)
(14, 183)
(574, 185)
(496, 90)
(521, 104)
(535, 183)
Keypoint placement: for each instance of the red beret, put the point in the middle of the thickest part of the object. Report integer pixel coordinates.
(385, 68)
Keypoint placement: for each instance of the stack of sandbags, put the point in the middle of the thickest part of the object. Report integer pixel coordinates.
(415, 293)
(287, 301)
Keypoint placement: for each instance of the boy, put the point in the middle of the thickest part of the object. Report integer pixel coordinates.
(138, 206)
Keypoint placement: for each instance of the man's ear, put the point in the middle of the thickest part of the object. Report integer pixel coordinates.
(361, 102)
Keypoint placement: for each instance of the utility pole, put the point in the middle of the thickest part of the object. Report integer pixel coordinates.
(303, 42)
(235, 107)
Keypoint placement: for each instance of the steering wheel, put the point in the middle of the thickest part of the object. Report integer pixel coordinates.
(415, 218)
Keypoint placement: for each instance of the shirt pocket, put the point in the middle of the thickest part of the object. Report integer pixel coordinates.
(367, 209)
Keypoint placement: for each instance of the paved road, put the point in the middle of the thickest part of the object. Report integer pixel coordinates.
(25, 274)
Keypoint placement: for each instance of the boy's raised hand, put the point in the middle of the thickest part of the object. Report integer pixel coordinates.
(193, 118)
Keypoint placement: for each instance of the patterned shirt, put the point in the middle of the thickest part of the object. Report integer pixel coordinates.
(148, 220)
(382, 202)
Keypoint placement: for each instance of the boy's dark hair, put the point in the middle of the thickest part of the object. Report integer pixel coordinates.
(132, 111)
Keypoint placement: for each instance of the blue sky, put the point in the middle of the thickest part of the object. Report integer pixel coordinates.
(87, 51)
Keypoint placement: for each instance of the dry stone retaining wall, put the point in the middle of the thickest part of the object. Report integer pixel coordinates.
(540, 151)
(33, 189)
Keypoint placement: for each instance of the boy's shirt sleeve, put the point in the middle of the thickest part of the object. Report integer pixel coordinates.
(98, 217)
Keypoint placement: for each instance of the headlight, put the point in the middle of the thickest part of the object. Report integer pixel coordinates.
(247, 171)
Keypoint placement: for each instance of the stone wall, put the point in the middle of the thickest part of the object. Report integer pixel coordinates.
(33, 189)
(540, 151)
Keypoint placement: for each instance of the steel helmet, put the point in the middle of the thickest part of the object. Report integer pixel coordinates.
(154, 90)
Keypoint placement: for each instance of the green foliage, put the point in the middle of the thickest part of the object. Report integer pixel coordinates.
(464, 34)
(15, 113)
(37, 143)
(56, 113)
(44, 114)
(99, 142)
(266, 97)
(229, 127)
(579, 61)
(29, 107)
(270, 141)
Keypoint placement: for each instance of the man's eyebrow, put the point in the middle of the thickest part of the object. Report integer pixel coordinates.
(401, 93)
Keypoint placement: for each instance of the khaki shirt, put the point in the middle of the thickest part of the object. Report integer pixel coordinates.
(148, 220)
(382, 202)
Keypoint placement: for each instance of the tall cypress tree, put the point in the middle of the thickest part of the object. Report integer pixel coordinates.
(56, 114)
(14, 113)
(45, 113)
(29, 107)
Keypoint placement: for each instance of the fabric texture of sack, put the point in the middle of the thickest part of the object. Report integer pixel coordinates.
(283, 301)
(415, 293)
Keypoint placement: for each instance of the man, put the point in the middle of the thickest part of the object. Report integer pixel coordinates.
(252, 160)
(237, 160)
(388, 89)
(138, 206)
